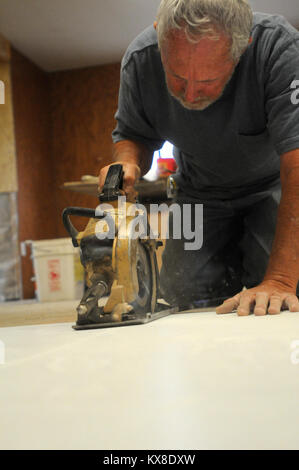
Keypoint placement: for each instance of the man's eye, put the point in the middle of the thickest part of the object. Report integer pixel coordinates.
(208, 82)
(180, 79)
(177, 77)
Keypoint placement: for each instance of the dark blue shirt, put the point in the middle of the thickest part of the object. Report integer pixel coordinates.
(233, 146)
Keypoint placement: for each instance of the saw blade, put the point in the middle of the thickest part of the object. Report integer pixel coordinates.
(145, 279)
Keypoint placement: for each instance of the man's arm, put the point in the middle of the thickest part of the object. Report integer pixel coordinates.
(283, 264)
(278, 289)
(133, 152)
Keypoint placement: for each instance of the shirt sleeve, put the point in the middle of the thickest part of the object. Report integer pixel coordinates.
(132, 121)
(281, 108)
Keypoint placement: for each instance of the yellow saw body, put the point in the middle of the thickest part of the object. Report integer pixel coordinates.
(120, 268)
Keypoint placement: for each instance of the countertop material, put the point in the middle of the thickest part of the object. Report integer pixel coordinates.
(188, 381)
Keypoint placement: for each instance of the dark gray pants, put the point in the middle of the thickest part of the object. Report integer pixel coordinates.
(237, 240)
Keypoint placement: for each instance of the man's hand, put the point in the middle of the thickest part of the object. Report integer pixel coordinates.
(131, 175)
(268, 297)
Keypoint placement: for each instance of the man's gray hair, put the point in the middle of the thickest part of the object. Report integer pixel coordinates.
(205, 17)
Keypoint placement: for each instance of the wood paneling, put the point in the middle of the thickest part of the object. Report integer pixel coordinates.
(63, 125)
(83, 106)
(36, 182)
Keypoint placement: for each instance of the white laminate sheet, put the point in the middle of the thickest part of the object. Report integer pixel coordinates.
(188, 381)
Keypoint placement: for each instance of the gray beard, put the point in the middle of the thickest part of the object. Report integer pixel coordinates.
(201, 104)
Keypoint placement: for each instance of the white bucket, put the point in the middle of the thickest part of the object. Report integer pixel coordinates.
(58, 273)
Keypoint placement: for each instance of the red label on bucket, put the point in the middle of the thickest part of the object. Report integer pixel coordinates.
(54, 275)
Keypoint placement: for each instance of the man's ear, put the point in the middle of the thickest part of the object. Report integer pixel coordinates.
(250, 40)
(155, 24)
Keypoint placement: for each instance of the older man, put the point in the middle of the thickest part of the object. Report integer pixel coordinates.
(218, 81)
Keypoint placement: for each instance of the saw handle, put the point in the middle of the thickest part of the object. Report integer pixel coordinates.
(111, 191)
(113, 185)
(81, 212)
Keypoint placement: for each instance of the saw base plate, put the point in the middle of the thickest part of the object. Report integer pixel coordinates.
(162, 310)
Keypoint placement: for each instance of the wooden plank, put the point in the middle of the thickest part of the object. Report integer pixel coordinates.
(37, 313)
(85, 188)
(147, 190)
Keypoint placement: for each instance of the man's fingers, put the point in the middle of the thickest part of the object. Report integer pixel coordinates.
(275, 304)
(130, 193)
(102, 177)
(131, 175)
(261, 303)
(228, 305)
(246, 303)
(292, 303)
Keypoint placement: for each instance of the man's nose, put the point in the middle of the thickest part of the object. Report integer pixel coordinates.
(192, 92)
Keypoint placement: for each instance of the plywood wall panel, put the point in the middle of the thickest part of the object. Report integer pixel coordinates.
(83, 106)
(36, 182)
(63, 125)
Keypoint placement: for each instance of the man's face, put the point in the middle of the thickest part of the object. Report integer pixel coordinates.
(196, 74)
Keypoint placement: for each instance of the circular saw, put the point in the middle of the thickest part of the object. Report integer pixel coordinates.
(121, 273)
